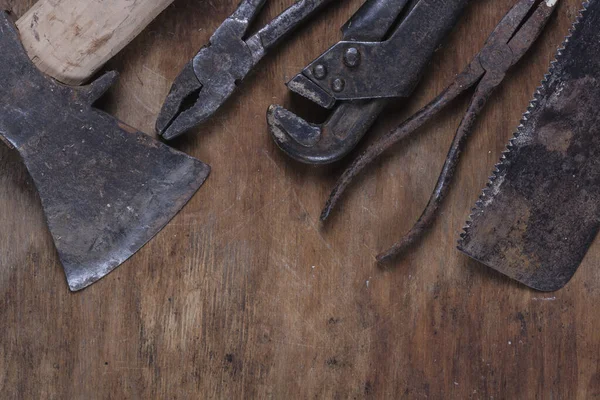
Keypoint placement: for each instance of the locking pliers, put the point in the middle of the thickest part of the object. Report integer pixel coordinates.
(386, 46)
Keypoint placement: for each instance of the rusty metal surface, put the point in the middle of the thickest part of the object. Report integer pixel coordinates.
(106, 189)
(507, 44)
(213, 75)
(330, 141)
(540, 212)
(359, 73)
(358, 70)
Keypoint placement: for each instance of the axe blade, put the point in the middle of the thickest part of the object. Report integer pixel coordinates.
(106, 189)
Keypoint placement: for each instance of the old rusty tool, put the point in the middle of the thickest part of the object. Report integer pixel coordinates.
(507, 44)
(360, 74)
(211, 77)
(540, 212)
(106, 189)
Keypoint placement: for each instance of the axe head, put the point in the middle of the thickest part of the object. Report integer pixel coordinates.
(106, 188)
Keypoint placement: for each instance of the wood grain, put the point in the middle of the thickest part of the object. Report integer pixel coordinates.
(246, 295)
(71, 39)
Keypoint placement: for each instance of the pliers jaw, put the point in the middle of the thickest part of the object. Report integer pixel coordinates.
(183, 94)
(207, 81)
(214, 73)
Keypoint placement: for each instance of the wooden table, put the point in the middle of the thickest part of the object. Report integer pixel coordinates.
(246, 295)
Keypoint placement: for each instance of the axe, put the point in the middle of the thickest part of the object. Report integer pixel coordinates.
(106, 188)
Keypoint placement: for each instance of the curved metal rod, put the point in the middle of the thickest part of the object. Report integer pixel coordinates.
(462, 83)
(323, 143)
(482, 94)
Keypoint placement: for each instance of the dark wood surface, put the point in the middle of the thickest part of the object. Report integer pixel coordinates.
(246, 295)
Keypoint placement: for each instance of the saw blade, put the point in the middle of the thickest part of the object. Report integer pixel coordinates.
(540, 211)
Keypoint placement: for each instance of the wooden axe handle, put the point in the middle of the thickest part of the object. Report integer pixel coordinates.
(71, 39)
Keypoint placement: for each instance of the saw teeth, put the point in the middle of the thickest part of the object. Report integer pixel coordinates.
(513, 141)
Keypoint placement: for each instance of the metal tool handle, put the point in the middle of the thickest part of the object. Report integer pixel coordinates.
(409, 127)
(367, 70)
(288, 20)
(373, 20)
(478, 102)
(237, 24)
(350, 121)
(248, 10)
(71, 39)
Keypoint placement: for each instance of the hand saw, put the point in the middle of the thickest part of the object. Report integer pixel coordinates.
(106, 188)
(540, 211)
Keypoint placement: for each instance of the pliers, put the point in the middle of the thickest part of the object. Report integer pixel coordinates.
(385, 48)
(508, 43)
(211, 77)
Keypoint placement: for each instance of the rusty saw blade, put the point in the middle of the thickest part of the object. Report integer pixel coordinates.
(540, 211)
